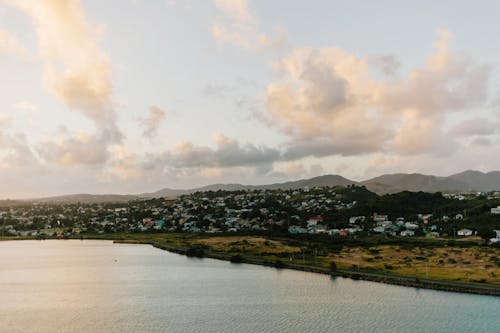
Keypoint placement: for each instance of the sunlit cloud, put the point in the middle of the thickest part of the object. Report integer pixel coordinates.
(26, 106)
(9, 44)
(77, 73)
(237, 25)
(327, 102)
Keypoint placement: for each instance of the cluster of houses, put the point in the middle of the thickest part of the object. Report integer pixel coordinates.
(298, 211)
(199, 212)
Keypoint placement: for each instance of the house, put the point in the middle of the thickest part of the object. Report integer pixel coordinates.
(497, 237)
(384, 224)
(320, 229)
(464, 232)
(406, 233)
(354, 219)
(314, 220)
(380, 218)
(424, 217)
(495, 211)
(342, 233)
(411, 226)
(296, 230)
(333, 232)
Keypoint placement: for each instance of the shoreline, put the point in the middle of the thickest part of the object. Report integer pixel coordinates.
(400, 280)
(405, 281)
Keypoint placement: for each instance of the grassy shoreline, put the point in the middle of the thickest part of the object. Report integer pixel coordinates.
(471, 272)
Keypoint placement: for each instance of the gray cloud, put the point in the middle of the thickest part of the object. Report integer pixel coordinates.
(387, 64)
(228, 153)
(153, 121)
(475, 126)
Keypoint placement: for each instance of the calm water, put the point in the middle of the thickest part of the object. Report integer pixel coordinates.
(97, 286)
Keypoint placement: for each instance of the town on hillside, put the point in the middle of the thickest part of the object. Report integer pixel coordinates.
(351, 211)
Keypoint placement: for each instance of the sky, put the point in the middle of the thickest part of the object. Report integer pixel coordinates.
(130, 96)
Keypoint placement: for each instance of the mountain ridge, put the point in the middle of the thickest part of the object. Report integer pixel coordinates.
(469, 180)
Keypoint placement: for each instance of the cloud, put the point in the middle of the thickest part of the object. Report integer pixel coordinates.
(475, 126)
(228, 153)
(482, 142)
(16, 155)
(4, 120)
(239, 27)
(26, 106)
(76, 71)
(9, 44)
(123, 165)
(387, 64)
(153, 121)
(327, 102)
(70, 149)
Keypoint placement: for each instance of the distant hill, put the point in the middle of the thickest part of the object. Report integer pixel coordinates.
(87, 198)
(415, 182)
(391, 183)
(479, 181)
(327, 180)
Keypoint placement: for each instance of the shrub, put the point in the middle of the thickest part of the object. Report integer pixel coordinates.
(333, 266)
(236, 258)
(279, 264)
(195, 252)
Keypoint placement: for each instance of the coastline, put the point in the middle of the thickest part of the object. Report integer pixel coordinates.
(405, 281)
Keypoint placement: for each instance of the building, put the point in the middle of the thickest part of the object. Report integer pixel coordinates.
(380, 218)
(406, 233)
(464, 232)
(495, 211)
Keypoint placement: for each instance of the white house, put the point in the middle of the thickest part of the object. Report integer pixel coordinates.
(497, 237)
(332, 232)
(495, 211)
(406, 233)
(464, 232)
(380, 218)
(411, 226)
(354, 219)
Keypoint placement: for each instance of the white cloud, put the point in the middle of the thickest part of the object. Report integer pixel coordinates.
(9, 44)
(238, 26)
(26, 106)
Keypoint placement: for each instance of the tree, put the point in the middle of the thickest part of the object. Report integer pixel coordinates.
(333, 266)
(486, 233)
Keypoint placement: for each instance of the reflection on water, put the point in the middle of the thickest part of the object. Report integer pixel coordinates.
(97, 286)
